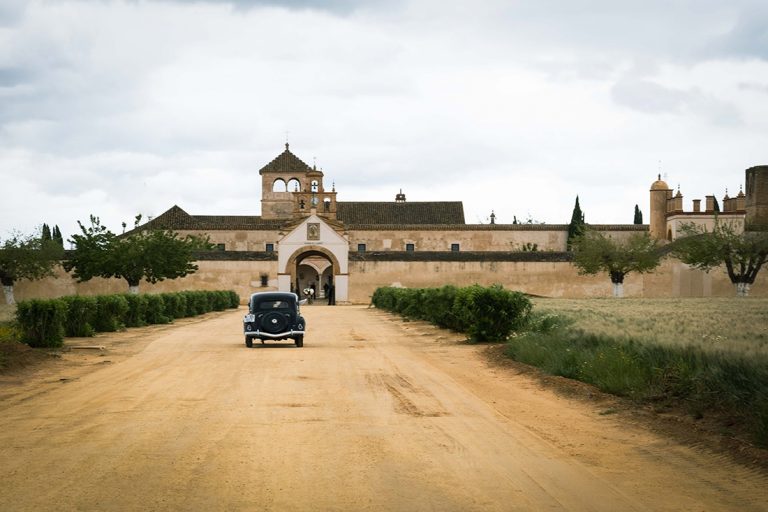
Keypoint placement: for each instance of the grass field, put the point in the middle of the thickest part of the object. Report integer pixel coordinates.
(715, 324)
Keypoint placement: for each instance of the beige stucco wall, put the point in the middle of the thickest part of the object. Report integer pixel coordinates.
(239, 240)
(677, 221)
(512, 238)
(244, 277)
(672, 279)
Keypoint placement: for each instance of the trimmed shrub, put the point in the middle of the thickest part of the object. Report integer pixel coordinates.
(81, 312)
(220, 300)
(490, 313)
(175, 305)
(136, 316)
(196, 303)
(156, 311)
(485, 313)
(234, 299)
(41, 322)
(111, 311)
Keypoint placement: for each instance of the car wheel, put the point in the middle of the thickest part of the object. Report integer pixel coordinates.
(299, 341)
(248, 342)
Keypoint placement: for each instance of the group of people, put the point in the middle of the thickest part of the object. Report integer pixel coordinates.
(329, 292)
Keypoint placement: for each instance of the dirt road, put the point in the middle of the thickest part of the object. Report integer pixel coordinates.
(372, 414)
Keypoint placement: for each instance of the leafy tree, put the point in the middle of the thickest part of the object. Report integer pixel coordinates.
(26, 257)
(743, 254)
(638, 215)
(594, 252)
(577, 225)
(152, 255)
(46, 236)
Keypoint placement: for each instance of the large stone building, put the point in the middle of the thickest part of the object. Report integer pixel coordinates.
(305, 236)
(316, 240)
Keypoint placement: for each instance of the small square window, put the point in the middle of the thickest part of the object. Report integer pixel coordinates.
(264, 280)
(410, 247)
(455, 248)
(221, 247)
(360, 247)
(270, 248)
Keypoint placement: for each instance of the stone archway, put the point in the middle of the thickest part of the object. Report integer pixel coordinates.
(315, 265)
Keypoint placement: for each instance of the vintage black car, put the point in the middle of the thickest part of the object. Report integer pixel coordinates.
(274, 316)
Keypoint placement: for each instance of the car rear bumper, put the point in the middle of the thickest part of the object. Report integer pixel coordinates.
(262, 334)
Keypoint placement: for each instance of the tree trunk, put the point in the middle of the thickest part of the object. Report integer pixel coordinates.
(618, 290)
(742, 289)
(8, 291)
(133, 289)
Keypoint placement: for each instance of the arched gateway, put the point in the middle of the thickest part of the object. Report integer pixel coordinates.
(314, 253)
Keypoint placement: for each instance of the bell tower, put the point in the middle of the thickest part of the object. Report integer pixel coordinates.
(290, 188)
(314, 198)
(280, 180)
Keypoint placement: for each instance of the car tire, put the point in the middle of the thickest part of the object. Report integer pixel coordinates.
(248, 342)
(299, 341)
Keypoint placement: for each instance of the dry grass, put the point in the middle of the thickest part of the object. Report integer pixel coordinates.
(721, 324)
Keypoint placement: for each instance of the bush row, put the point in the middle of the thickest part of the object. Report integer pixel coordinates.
(704, 381)
(484, 313)
(44, 323)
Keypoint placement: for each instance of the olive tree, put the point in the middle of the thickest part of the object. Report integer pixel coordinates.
(594, 252)
(742, 254)
(149, 254)
(26, 257)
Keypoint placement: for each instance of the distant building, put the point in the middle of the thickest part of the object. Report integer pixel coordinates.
(315, 239)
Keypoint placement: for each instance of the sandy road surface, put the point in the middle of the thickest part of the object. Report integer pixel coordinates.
(372, 414)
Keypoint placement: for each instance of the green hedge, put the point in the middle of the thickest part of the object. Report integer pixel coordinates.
(156, 310)
(81, 312)
(137, 310)
(41, 322)
(44, 323)
(484, 313)
(111, 313)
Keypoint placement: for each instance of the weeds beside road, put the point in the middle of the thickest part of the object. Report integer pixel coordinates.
(704, 356)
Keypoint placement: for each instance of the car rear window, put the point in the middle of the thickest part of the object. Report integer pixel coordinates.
(274, 304)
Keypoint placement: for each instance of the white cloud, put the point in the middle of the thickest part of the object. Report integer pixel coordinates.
(121, 107)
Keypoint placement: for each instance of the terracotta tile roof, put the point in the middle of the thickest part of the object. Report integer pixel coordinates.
(389, 213)
(286, 162)
(177, 219)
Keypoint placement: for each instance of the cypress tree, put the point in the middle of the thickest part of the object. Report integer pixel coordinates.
(576, 227)
(46, 233)
(638, 215)
(57, 235)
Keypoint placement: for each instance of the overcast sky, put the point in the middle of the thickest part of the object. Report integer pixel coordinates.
(114, 108)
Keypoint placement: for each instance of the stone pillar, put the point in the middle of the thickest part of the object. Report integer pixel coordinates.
(341, 281)
(757, 197)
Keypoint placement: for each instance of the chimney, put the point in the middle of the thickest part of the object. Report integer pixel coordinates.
(697, 205)
(710, 205)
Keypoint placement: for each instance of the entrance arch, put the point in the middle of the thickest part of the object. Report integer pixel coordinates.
(324, 250)
(314, 265)
(312, 269)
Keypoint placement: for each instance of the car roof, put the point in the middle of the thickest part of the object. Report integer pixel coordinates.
(274, 296)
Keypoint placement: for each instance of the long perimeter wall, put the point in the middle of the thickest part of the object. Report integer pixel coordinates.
(542, 275)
